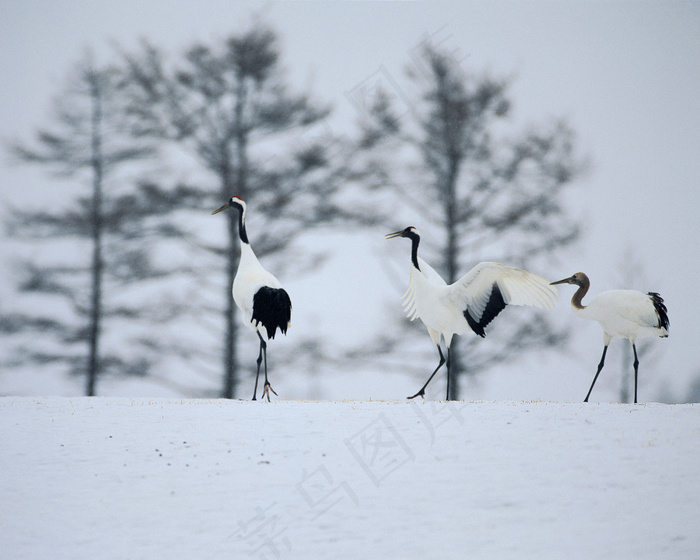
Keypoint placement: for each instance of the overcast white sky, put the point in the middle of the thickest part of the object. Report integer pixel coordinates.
(625, 74)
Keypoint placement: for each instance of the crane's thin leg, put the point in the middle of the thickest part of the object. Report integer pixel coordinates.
(421, 393)
(263, 351)
(600, 366)
(636, 368)
(259, 361)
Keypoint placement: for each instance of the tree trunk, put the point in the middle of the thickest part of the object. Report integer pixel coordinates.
(97, 259)
(232, 257)
(230, 354)
(626, 372)
(240, 184)
(456, 369)
(452, 262)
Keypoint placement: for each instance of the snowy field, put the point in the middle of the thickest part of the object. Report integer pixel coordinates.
(116, 478)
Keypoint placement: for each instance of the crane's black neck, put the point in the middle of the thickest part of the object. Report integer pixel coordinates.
(241, 225)
(415, 240)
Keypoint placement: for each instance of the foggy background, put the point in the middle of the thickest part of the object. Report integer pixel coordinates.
(625, 75)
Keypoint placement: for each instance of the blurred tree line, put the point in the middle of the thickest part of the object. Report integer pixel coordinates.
(141, 286)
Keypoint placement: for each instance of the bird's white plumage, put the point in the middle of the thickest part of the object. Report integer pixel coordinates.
(250, 277)
(429, 276)
(623, 314)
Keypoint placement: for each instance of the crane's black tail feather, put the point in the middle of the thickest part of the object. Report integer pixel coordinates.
(661, 311)
(273, 308)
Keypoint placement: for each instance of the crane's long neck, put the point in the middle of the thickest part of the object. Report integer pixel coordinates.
(241, 226)
(576, 299)
(415, 240)
(248, 258)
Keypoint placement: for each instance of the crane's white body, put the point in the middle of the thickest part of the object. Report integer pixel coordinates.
(441, 307)
(623, 314)
(250, 277)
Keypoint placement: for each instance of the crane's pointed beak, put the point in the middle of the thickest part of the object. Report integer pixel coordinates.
(563, 281)
(392, 235)
(221, 209)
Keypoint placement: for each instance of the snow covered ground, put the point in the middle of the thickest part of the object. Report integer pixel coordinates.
(138, 478)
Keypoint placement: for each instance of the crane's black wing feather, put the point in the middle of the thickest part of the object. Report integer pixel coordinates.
(495, 305)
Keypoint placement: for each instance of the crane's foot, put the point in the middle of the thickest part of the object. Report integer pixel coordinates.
(266, 390)
(420, 394)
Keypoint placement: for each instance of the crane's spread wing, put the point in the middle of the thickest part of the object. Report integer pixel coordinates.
(487, 288)
(409, 297)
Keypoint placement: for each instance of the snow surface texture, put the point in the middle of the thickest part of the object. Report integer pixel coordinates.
(124, 478)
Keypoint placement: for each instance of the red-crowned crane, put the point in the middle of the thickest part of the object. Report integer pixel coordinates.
(622, 314)
(265, 305)
(469, 304)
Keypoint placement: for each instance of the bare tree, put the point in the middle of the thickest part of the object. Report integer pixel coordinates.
(693, 392)
(478, 192)
(227, 105)
(86, 142)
